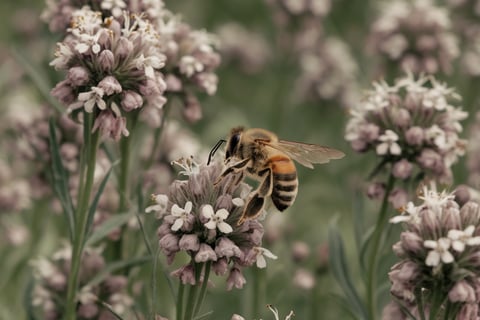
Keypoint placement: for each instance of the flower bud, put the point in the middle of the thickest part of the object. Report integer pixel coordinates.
(235, 279)
(303, 279)
(115, 283)
(110, 85)
(78, 76)
(124, 48)
(227, 248)
(402, 169)
(205, 253)
(376, 190)
(192, 111)
(462, 194)
(185, 274)
(189, 242)
(401, 117)
(63, 92)
(169, 243)
(411, 242)
(131, 100)
(106, 59)
(414, 136)
(462, 292)
(174, 84)
(220, 267)
(300, 251)
(87, 311)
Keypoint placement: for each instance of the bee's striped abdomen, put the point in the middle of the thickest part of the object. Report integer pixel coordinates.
(285, 181)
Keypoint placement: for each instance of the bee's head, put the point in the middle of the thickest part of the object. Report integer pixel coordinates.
(233, 142)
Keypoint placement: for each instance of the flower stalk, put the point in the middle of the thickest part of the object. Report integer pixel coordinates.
(81, 228)
(377, 236)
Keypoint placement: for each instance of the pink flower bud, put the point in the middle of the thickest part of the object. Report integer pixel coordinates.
(87, 311)
(131, 100)
(401, 117)
(189, 242)
(104, 38)
(411, 242)
(220, 267)
(303, 279)
(462, 292)
(205, 253)
(192, 111)
(414, 136)
(110, 85)
(174, 84)
(110, 126)
(468, 311)
(185, 274)
(227, 248)
(430, 159)
(470, 213)
(115, 283)
(235, 279)
(169, 243)
(78, 76)
(462, 194)
(106, 59)
(300, 251)
(237, 317)
(124, 48)
(63, 92)
(398, 198)
(224, 202)
(376, 190)
(402, 169)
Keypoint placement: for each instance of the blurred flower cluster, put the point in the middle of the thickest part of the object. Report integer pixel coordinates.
(202, 220)
(52, 274)
(412, 124)
(414, 35)
(439, 248)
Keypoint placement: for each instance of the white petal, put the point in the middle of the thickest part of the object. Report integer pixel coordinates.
(433, 259)
(267, 253)
(177, 211)
(188, 206)
(432, 244)
(395, 149)
(177, 224)
(458, 246)
(155, 207)
(224, 227)
(102, 105)
(447, 257)
(81, 48)
(222, 214)
(96, 48)
(475, 241)
(210, 225)
(470, 230)
(89, 105)
(261, 262)
(455, 234)
(382, 148)
(238, 202)
(444, 243)
(207, 211)
(398, 219)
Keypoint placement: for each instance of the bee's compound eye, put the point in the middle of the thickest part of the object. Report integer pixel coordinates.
(232, 145)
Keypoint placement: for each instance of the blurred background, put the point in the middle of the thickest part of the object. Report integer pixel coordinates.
(291, 67)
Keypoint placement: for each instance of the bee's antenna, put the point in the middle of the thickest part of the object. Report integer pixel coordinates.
(214, 149)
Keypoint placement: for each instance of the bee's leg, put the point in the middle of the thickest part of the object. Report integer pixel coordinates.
(239, 166)
(255, 204)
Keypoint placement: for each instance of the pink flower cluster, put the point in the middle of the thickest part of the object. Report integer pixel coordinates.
(413, 123)
(440, 252)
(201, 220)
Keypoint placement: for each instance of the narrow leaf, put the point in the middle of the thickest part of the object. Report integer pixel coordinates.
(60, 180)
(340, 271)
(93, 206)
(204, 316)
(117, 266)
(27, 300)
(358, 218)
(108, 226)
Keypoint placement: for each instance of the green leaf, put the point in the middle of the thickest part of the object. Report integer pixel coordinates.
(60, 180)
(340, 271)
(37, 77)
(204, 316)
(358, 219)
(27, 300)
(108, 226)
(117, 266)
(93, 206)
(365, 243)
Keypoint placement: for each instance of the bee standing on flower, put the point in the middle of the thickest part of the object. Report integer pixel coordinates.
(262, 156)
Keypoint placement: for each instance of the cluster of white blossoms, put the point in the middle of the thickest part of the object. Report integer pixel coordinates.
(414, 122)
(440, 253)
(202, 220)
(50, 289)
(416, 35)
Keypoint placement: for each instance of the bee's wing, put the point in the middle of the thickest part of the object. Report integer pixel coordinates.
(305, 153)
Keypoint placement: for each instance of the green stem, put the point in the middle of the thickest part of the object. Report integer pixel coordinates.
(90, 147)
(181, 289)
(258, 292)
(158, 136)
(192, 294)
(376, 248)
(203, 290)
(437, 301)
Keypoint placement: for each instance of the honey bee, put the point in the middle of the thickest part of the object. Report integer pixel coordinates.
(261, 155)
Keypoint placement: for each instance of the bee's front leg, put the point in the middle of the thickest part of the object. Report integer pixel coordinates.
(239, 166)
(255, 204)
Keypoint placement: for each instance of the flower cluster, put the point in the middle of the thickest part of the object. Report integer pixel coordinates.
(473, 154)
(202, 220)
(440, 250)
(327, 72)
(251, 59)
(415, 35)
(58, 13)
(51, 287)
(410, 123)
(112, 68)
(191, 61)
